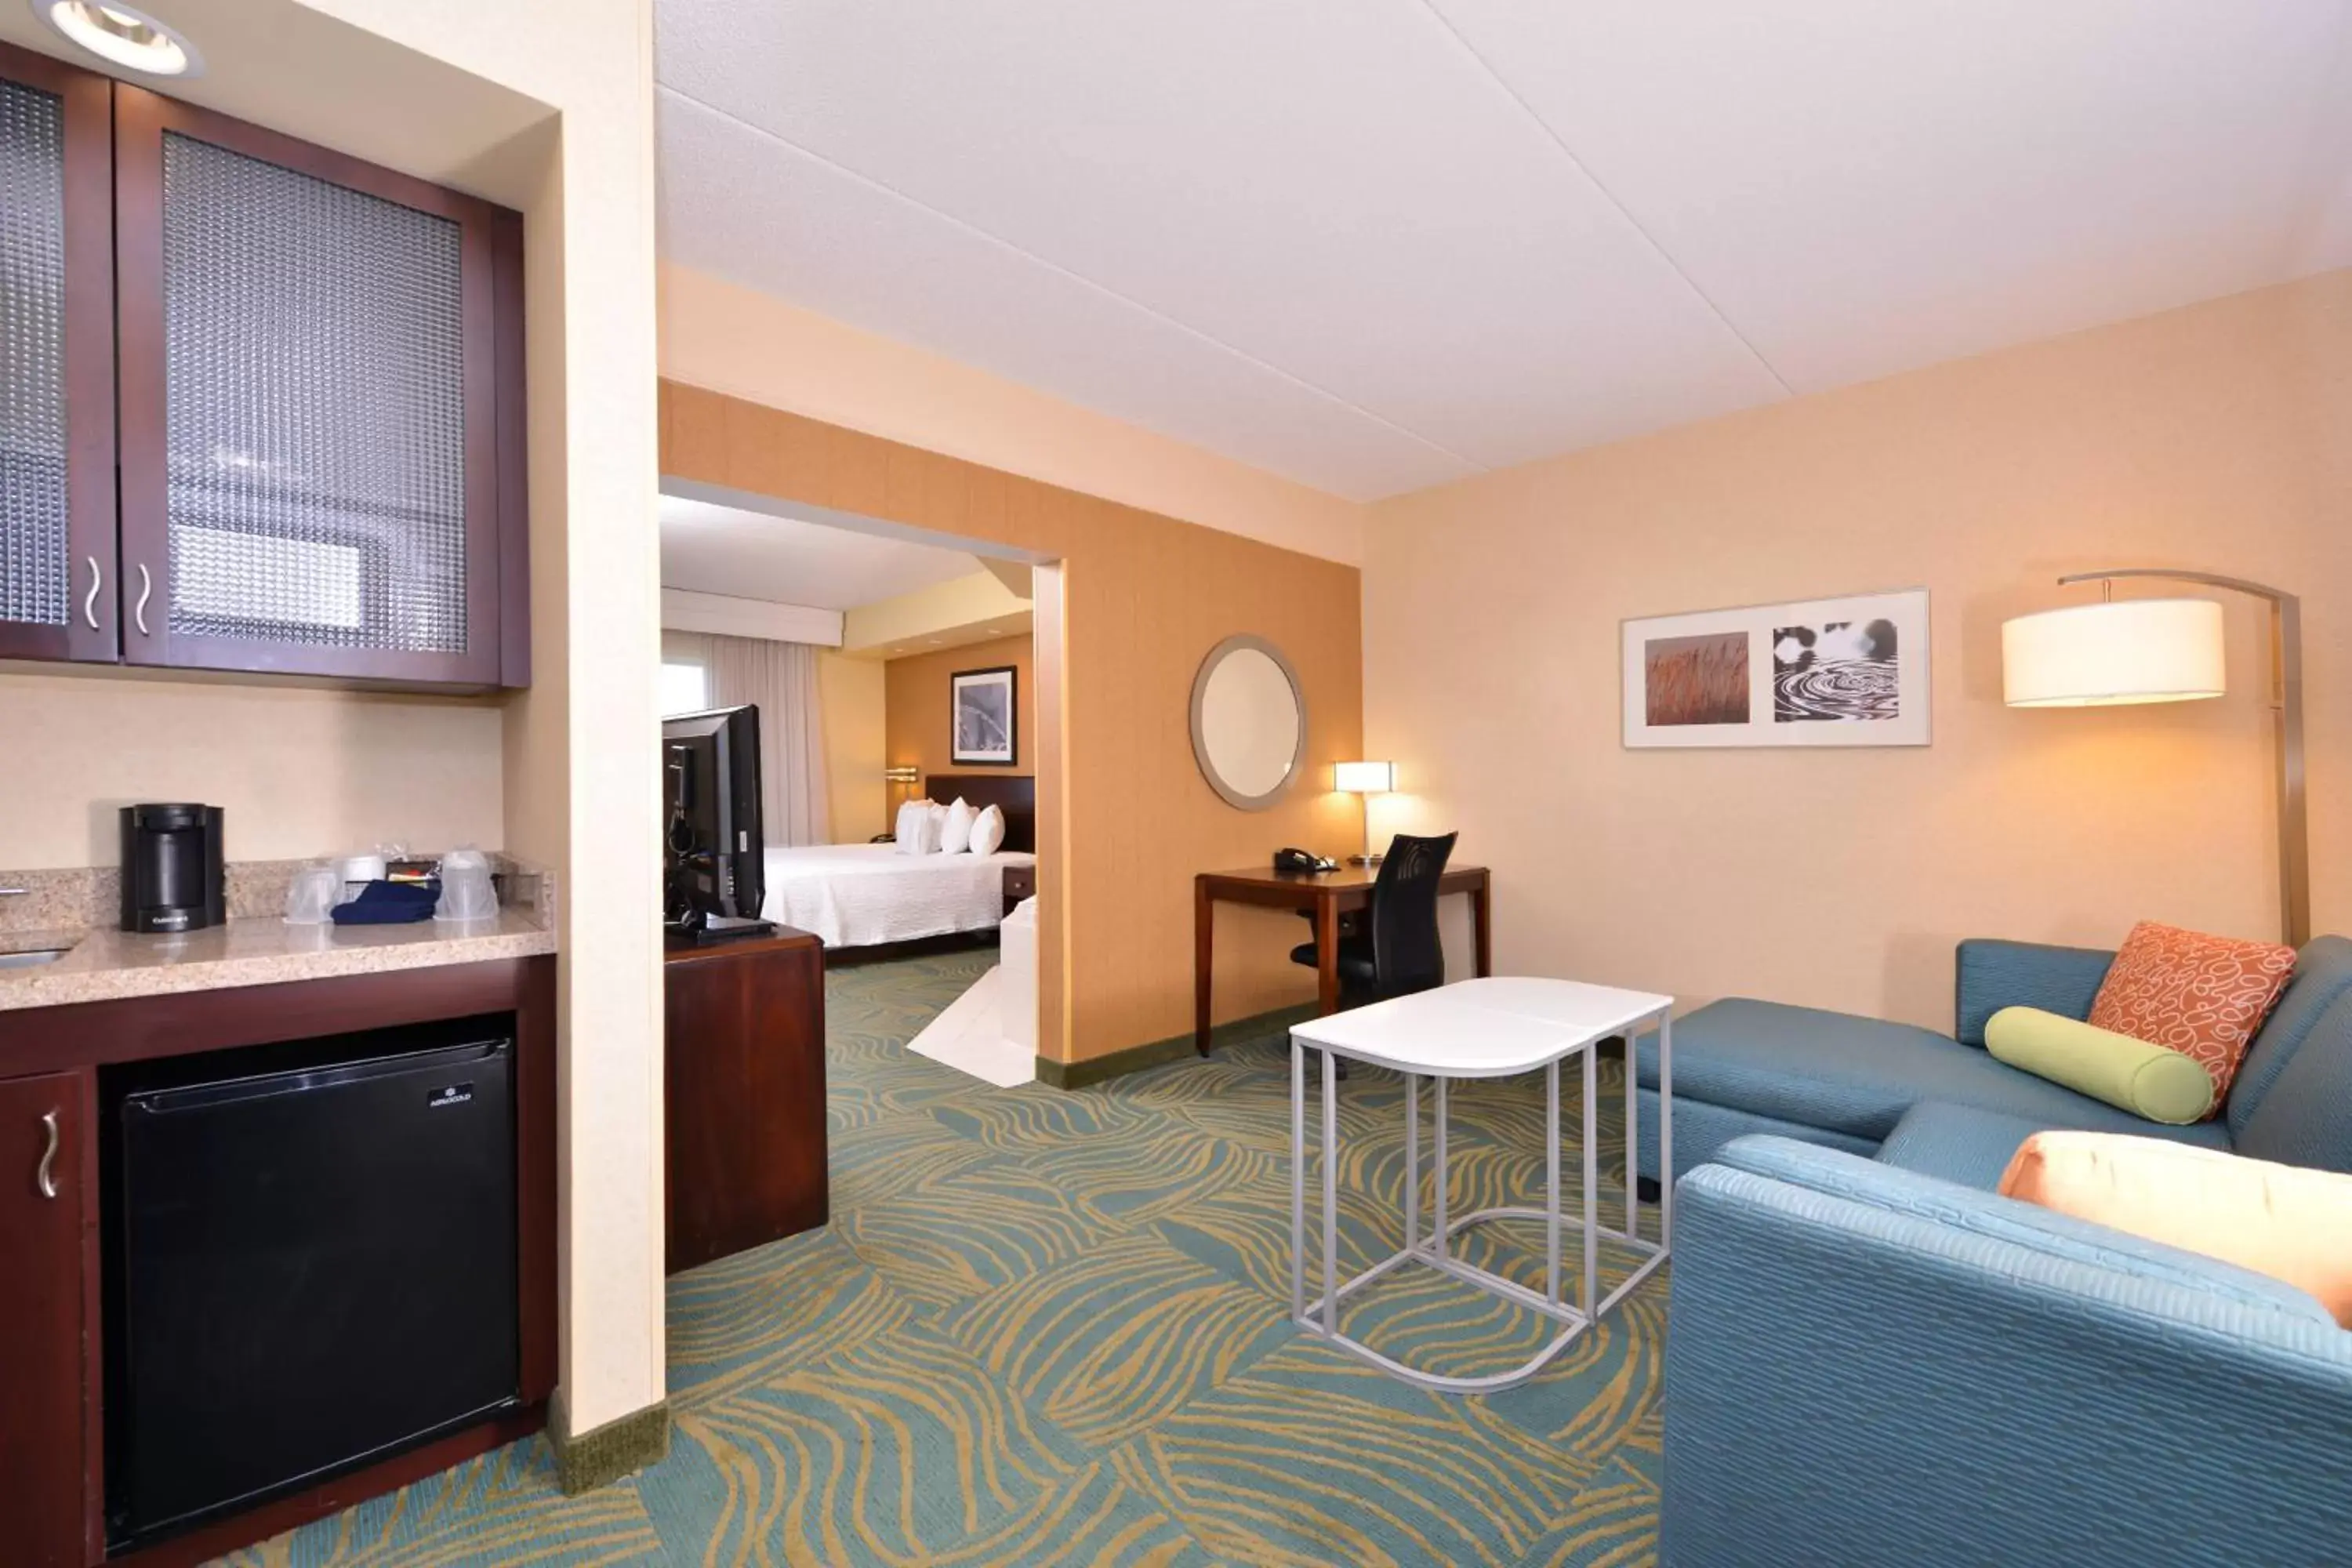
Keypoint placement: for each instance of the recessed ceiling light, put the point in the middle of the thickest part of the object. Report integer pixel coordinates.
(122, 35)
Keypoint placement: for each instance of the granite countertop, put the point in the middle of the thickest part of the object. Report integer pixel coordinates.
(104, 964)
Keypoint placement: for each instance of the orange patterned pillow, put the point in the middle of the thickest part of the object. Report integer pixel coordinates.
(2201, 995)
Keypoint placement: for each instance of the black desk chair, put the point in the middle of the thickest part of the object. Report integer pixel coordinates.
(1395, 949)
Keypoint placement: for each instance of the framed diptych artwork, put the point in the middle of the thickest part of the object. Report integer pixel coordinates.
(1821, 672)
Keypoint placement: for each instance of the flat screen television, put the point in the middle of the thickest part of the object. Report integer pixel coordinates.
(712, 853)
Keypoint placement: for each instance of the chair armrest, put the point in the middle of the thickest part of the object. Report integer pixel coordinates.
(1850, 1382)
(1996, 974)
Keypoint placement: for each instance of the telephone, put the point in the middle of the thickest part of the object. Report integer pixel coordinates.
(1300, 860)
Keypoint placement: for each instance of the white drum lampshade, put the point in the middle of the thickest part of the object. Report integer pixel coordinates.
(2124, 650)
(1366, 779)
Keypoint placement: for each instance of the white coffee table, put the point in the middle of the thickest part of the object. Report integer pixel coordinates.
(1481, 1028)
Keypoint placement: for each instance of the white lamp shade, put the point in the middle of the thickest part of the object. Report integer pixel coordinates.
(1367, 778)
(2129, 650)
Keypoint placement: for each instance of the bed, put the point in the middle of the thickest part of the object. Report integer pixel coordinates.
(866, 895)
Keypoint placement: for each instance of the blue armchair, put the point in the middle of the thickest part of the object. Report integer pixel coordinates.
(1869, 1365)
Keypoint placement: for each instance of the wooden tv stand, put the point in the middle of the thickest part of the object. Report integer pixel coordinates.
(743, 1058)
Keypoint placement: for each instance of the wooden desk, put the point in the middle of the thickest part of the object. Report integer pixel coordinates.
(1327, 895)
(744, 1109)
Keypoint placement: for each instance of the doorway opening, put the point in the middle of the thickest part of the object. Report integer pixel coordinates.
(912, 685)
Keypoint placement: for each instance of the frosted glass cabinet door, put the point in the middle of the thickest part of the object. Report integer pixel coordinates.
(311, 407)
(57, 363)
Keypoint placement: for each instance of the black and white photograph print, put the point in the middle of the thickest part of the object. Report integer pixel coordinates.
(1839, 672)
(1820, 672)
(983, 717)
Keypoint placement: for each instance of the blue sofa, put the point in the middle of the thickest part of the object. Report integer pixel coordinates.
(1872, 1358)
(1941, 1104)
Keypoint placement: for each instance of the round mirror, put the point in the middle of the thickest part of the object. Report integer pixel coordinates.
(1249, 722)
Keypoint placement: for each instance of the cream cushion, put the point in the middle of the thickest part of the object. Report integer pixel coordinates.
(2289, 1223)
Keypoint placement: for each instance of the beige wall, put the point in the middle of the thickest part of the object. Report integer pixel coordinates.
(729, 339)
(580, 765)
(852, 692)
(919, 716)
(2217, 437)
(971, 608)
(299, 773)
(1140, 601)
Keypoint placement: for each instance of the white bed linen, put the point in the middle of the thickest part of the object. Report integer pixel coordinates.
(855, 895)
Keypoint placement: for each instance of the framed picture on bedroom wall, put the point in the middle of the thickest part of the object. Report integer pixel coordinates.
(1821, 672)
(983, 718)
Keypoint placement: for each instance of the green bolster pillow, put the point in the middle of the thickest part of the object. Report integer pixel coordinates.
(2132, 1075)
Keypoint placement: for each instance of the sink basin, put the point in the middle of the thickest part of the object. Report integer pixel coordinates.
(28, 960)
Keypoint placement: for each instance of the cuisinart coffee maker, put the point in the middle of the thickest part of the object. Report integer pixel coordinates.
(171, 867)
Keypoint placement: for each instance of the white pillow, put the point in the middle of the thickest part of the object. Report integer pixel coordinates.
(955, 834)
(914, 826)
(936, 834)
(987, 831)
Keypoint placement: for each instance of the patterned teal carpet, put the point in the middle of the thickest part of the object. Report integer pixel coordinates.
(1049, 1328)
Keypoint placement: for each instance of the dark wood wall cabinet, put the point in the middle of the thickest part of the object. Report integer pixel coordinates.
(743, 1054)
(306, 372)
(54, 1268)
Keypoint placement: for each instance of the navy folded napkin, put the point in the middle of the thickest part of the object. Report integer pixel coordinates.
(389, 904)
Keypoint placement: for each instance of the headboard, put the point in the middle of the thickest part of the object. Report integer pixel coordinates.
(1015, 795)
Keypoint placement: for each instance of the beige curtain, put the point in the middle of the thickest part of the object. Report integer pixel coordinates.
(779, 679)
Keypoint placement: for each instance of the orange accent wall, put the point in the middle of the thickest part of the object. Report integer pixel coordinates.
(1143, 598)
(915, 705)
(2217, 436)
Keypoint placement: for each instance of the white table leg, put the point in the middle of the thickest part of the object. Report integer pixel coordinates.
(1552, 1181)
(1330, 1197)
(1633, 1139)
(1592, 1190)
(1297, 1181)
(1665, 1129)
(1411, 1161)
(1438, 1234)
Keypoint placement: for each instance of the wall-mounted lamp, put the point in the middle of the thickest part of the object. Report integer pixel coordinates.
(904, 774)
(2170, 650)
(1366, 779)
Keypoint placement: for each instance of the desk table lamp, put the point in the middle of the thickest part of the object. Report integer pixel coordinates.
(1366, 779)
(2170, 650)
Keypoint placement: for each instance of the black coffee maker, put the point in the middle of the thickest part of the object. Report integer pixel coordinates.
(171, 868)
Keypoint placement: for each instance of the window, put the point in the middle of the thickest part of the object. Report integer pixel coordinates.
(685, 687)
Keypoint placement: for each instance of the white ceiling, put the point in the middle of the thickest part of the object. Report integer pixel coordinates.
(1378, 244)
(710, 549)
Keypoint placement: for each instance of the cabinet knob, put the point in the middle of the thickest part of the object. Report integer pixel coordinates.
(45, 1178)
(146, 592)
(89, 600)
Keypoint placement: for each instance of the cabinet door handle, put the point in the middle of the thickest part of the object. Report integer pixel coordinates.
(45, 1178)
(146, 591)
(89, 600)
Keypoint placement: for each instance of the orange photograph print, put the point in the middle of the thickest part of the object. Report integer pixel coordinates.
(1697, 679)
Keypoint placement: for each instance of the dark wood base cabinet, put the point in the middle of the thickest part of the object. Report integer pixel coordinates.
(744, 1055)
(48, 1312)
(52, 1284)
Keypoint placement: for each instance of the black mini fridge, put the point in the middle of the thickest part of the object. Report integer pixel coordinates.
(312, 1266)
